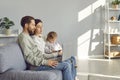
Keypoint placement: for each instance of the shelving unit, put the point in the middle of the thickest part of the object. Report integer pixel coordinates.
(5, 39)
(114, 9)
(11, 35)
(112, 28)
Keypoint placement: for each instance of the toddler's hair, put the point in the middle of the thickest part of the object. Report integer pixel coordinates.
(51, 35)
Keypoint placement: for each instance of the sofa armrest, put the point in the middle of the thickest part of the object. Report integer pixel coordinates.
(31, 75)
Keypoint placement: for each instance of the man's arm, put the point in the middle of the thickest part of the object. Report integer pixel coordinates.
(32, 55)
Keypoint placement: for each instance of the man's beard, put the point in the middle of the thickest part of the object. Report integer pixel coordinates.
(31, 32)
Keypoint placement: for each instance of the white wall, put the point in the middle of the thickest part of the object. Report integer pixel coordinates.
(62, 17)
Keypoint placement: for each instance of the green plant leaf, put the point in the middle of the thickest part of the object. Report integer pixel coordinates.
(116, 2)
(6, 23)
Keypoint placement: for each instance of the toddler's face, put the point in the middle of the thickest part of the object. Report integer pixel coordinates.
(52, 40)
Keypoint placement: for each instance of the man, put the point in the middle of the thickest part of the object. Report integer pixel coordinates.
(35, 57)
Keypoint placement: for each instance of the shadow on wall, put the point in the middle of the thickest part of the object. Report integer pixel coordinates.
(90, 42)
(86, 34)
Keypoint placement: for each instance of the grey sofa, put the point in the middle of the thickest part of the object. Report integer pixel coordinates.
(13, 66)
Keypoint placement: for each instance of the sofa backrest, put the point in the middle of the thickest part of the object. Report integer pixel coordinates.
(11, 57)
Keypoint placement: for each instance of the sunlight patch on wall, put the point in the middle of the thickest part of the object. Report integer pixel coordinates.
(90, 9)
(83, 45)
(84, 13)
(84, 41)
(88, 42)
(94, 41)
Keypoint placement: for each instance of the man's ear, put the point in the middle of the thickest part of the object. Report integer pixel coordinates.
(26, 25)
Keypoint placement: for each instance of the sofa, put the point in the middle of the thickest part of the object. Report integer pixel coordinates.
(13, 66)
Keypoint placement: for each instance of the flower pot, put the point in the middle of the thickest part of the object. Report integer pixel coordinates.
(115, 6)
(7, 31)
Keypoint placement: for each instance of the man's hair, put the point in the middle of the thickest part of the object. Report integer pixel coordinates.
(51, 35)
(37, 21)
(26, 19)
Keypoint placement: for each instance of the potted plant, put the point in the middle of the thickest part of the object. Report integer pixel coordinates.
(6, 23)
(115, 3)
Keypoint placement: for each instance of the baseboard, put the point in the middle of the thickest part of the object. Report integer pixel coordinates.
(97, 56)
(92, 56)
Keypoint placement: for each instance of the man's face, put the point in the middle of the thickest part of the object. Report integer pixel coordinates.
(31, 27)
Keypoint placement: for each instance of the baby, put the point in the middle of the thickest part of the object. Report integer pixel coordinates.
(52, 45)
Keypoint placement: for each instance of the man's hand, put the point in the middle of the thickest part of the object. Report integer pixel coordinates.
(52, 63)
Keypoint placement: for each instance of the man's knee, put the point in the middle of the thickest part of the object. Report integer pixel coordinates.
(73, 60)
(67, 65)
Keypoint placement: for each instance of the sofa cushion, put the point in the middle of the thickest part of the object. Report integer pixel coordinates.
(11, 57)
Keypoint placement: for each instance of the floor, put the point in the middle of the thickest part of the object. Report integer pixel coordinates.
(98, 69)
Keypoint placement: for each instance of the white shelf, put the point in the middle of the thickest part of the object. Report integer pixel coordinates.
(111, 28)
(11, 35)
(111, 56)
(115, 9)
(111, 33)
(114, 21)
(112, 44)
